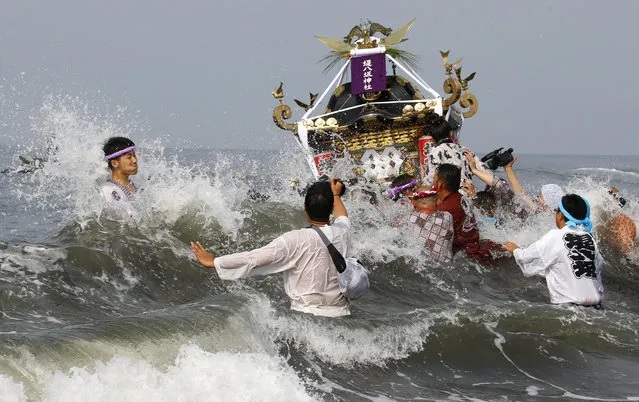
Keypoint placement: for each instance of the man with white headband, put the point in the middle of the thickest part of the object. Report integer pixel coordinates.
(119, 153)
(567, 257)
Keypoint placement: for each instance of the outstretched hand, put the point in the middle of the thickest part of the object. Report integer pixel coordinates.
(204, 257)
(510, 246)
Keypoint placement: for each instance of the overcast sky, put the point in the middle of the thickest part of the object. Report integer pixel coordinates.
(552, 76)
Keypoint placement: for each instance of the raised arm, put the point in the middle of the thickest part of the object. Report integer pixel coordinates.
(483, 175)
(512, 177)
(338, 206)
(515, 185)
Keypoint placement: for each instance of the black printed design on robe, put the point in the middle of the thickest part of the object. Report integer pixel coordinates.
(446, 155)
(581, 250)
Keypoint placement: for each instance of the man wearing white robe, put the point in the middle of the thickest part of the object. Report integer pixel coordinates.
(119, 190)
(310, 277)
(567, 257)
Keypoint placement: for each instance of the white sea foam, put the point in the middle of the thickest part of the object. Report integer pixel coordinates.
(194, 375)
(532, 390)
(602, 205)
(349, 342)
(75, 170)
(609, 170)
(11, 391)
(31, 259)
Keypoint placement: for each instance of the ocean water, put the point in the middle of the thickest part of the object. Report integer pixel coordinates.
(98, 310)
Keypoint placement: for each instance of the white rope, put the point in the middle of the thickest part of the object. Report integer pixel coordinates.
(337, 77)
(302, 132)
(413, 76)
(421, 80)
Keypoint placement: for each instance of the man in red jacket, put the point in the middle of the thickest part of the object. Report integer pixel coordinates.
(447, 180)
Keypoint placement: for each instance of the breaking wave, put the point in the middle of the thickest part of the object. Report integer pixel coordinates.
(95, 309)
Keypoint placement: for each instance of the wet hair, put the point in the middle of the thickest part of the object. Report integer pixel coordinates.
(319, 201)
(402, 180)
(450, 175)
(485, 201)
(439, 130)
(428, 201)
(575, 206)
(115, 144)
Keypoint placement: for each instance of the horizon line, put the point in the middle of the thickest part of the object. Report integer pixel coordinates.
(283, 148)
(480, 152)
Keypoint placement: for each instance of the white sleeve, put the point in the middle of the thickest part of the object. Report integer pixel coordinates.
(535, 259)
(343, 247)
(344, 223)
(269, 259)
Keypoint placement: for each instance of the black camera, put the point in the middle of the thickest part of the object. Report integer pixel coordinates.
(498, 158)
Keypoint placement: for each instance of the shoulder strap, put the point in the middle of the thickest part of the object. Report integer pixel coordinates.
(336, 256)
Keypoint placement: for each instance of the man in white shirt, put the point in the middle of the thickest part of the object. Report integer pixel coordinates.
(310, 277)
(567, 257)
(119, 190)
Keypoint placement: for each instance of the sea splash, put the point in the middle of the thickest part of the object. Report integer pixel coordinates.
(133, 313)
(194, 375)
(73, 134)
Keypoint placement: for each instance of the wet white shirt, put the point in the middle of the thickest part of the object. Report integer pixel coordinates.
(119, 197)
(570, 261)
(310, 277)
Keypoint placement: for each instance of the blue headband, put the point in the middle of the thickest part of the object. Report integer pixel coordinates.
(572, 222)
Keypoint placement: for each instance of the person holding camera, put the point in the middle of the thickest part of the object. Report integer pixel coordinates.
(549, 196)
(521, 205)
(310, 276)
(504, 200)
